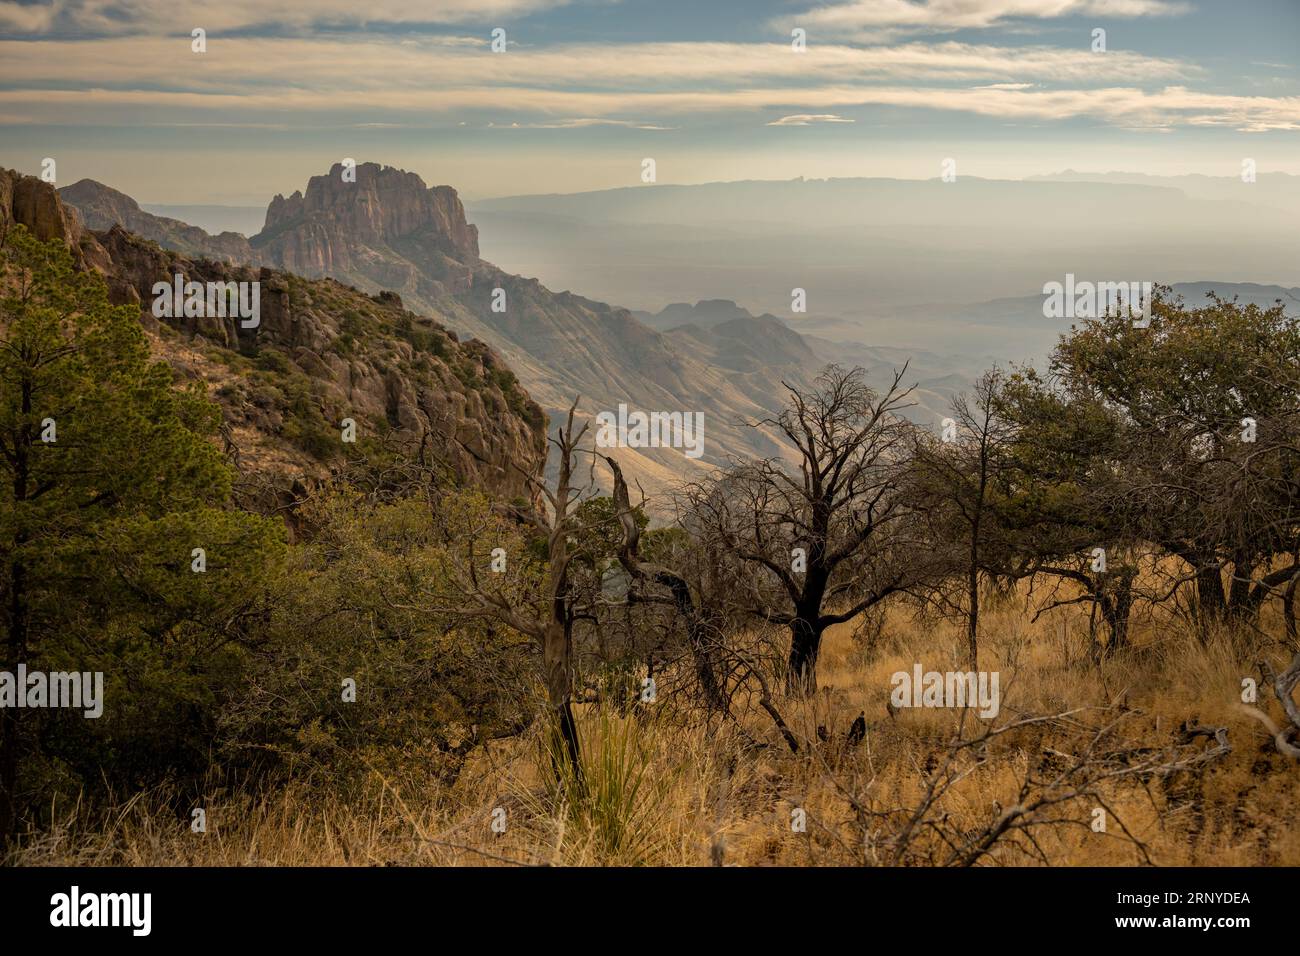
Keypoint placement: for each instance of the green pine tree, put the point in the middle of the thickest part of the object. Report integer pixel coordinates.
(108, 482)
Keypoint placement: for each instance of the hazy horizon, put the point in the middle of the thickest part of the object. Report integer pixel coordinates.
(917, 264)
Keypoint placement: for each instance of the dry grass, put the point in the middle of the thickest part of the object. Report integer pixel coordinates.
(667, 791)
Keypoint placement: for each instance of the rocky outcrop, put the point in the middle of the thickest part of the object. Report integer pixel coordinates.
(35, 204)
(383, 204)
(369, 232)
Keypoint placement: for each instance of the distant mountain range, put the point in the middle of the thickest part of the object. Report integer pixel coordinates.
(866, 251)
(1279, 191)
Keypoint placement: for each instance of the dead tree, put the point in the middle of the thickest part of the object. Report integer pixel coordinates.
(958, 479)
(646, 574)
(550, 619)
(819, 546)
(1287, 737)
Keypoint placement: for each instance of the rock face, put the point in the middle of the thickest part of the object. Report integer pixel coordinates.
(36, 205)
(321, 353)
(382, 205)
(102, 207)
(368, 231)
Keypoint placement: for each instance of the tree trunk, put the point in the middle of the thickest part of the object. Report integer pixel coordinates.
(1288, 610)
(1211, 602)
(973, 571)
(1116, 609)
(1239, 606)
(805, 644)
(973, 618)
(557, 631)
(557, 664)
(701, 654)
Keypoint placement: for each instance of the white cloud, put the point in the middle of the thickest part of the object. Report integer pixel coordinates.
(298, 80)
(882, 19)
(456, 62)
(808, 119)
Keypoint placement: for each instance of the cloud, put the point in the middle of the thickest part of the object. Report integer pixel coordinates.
(586, 122)
(1118, 106)
(398, 80)
(26, 17)
(453, 62)
(884, 19)
(807, 119)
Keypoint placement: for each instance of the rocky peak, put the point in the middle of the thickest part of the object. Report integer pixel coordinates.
(35, 204)
(320, 231)
(93, 199)
(283, 211)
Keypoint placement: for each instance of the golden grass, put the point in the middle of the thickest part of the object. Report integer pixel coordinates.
(663, 790)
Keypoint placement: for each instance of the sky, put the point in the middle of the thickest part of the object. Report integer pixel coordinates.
(584, 91)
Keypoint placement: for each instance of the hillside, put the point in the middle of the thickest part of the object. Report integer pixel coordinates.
(323, 352)
(101, 208)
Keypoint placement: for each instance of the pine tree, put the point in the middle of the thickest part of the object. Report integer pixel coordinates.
(108, 482)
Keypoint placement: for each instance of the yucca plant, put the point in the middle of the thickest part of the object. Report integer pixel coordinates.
(613, 805)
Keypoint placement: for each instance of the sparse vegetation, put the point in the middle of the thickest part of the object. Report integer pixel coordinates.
(429, 674)
(674, 789)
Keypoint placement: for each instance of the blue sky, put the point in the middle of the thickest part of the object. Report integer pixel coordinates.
(585, 90)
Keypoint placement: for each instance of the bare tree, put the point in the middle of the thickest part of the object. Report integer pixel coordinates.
(652, 577)
(821, 545)
(549, 618)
